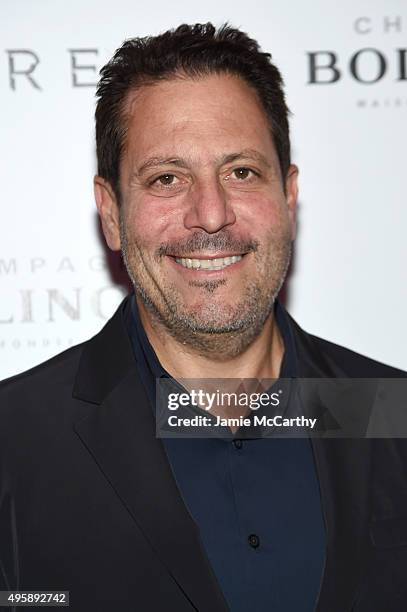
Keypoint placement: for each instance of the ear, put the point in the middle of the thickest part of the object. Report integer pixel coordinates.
(291, 190)
(108, 209)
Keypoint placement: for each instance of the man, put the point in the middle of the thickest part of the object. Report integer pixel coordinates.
(196, 187)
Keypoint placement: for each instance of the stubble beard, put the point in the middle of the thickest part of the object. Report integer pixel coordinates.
(217, 330)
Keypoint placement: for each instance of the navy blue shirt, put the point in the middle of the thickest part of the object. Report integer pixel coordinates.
(255, 501)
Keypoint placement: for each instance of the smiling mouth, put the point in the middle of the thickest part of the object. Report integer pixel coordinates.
(208, 264)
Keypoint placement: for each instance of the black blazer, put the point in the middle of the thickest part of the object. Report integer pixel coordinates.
(88, 502)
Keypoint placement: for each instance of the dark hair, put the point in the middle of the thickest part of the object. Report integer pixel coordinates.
(192, 50)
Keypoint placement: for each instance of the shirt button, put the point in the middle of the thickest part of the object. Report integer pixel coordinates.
(254, 540)
(237, 444)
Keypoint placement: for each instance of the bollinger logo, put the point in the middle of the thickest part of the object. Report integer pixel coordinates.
(44, 304)
(366, 65)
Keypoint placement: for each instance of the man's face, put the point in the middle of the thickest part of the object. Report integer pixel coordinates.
(205, 225)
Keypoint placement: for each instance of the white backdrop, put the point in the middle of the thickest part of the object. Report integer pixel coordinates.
(348, 282)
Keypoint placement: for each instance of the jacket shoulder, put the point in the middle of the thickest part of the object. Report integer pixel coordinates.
(59, 362)
(354, 364)
(34, 387)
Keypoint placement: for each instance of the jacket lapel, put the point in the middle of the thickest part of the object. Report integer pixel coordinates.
(120, 435)
(343, 467)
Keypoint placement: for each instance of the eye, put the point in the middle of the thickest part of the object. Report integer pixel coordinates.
(165, 180)
(166, 184)
(242, 173)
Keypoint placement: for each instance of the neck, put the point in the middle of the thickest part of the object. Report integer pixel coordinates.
(260, 359)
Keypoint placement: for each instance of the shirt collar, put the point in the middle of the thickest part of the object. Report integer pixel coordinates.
(148, 360)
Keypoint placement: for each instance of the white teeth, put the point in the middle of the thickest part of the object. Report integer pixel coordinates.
(208, 264)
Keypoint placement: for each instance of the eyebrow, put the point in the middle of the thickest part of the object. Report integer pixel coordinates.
(246, 154)
(156, 162)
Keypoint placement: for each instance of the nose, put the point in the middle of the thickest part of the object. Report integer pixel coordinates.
(210, 208)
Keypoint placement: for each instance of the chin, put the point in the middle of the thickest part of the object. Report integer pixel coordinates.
(213, 319)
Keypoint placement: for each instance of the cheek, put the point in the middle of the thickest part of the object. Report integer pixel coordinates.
(147, 223)
(260, 213)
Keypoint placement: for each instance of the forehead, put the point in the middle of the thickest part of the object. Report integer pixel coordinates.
(197, 116)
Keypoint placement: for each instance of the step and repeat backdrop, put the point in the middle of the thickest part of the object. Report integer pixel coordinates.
(345, 69)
